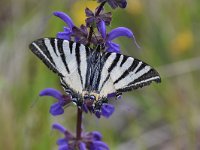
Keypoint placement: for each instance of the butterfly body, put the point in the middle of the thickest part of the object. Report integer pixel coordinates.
(90, 75)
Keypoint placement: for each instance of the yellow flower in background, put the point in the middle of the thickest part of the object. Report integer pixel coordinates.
(134, 7)
(182, 42)
(79, 8)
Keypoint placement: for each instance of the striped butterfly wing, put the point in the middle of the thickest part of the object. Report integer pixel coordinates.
(124, 73)
(81, 69)
(66, 58)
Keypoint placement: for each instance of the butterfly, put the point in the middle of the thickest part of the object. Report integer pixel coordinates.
(90, 75)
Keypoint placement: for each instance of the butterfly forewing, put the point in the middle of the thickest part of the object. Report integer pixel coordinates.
(82, 68)
(66, 58)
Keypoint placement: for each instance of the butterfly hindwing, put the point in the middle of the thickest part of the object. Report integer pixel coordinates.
(127, 73)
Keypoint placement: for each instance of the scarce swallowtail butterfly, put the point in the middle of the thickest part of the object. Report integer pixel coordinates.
(89, 74)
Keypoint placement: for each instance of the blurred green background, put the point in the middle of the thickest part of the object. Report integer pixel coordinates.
(162, 116)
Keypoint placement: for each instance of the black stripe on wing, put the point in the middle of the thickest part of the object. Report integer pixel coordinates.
(40, 49)
(99, 67)
(114, 63)
(62, 55)
(78, 60)
(142, 81)
(88, 69)
(53, 44)
(123, 60)
(104, 59)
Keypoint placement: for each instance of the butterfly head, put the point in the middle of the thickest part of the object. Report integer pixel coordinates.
(93, 100)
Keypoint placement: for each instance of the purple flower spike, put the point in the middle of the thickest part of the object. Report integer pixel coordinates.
(64, 143)
(89, 140)
(93, 19)
(65, 18)
(107, 110)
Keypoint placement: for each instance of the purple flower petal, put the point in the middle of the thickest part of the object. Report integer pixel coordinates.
(99, 144)
(59, 127)
(51, 92)
(112, 3)
(112, 47)
(102, 28)
(67, 30)
(120, 31)
(106, 17)
(56, 109)
(63, 147)
(65, 18)
(96, 135)
(107, 110)
(122, 4)
(62, 141)
(89, 21)
(63, 35)
(82, 146)
(84, 29)
(66, 35)
(115, 3)
(89, 13)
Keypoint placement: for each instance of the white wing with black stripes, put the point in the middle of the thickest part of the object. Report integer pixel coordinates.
(83, 69)
(126, 73)
(66, 58)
